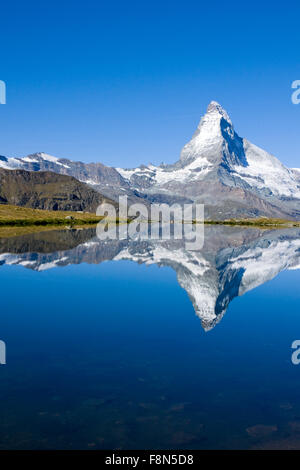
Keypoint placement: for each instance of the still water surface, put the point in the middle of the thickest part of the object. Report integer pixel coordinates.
(127, 345)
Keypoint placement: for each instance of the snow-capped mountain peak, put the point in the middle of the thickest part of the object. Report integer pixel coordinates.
(218, 168)
(35, 158)
(43, 156)
(214, 140)
(215, 108)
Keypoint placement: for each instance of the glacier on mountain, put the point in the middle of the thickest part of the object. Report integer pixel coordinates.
(229, 174)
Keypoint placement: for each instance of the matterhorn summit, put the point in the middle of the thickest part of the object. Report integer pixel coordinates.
(214, 140)
(232, 177)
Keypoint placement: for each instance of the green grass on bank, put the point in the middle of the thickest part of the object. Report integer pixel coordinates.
(15, 215)
(263, 222)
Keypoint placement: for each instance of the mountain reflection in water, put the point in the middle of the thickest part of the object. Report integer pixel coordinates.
(233, 260)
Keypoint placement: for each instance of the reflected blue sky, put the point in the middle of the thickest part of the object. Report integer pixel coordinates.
(112, 355)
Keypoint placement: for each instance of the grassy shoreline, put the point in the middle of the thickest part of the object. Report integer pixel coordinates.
(16, 216)
(24, 216)
(262, 222)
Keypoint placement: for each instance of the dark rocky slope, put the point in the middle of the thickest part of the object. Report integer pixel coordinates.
(47, 190)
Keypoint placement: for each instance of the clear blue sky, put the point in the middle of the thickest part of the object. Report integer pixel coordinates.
(125, 82)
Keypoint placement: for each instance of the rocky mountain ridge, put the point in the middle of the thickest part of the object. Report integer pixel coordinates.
(230, 175)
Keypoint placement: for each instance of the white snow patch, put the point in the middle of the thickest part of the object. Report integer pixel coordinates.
(266, 171)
